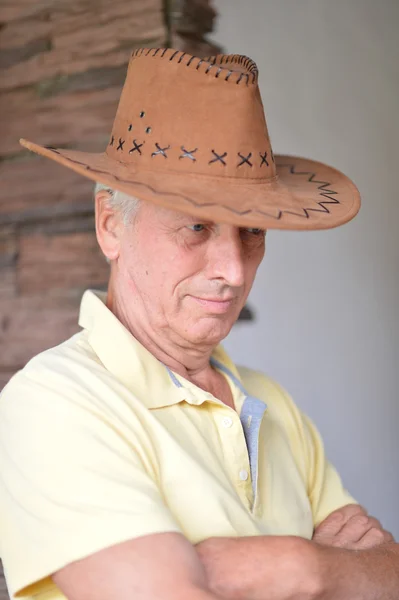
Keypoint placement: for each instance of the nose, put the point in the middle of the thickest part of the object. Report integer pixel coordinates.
(226, 257)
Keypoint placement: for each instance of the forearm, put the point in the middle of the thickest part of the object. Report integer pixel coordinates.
(278, 568)
(260, 568)
(360, 574)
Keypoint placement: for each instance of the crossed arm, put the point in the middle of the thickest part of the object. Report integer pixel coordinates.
(350, 557)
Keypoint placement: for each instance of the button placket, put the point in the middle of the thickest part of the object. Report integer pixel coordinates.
(233, 438)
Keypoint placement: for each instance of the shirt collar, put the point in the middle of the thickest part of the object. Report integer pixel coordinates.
(132, 364)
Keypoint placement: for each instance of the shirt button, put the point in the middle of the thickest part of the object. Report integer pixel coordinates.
(243, 475)
(227, 422)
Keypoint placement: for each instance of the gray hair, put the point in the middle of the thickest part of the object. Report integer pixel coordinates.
(125, 204)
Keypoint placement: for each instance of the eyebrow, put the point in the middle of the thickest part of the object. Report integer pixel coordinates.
(191, 219)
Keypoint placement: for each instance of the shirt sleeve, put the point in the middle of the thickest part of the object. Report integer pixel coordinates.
(325, 488)
(71, 483)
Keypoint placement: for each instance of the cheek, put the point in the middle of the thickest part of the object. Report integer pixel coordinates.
(182, 264)
(164, 275)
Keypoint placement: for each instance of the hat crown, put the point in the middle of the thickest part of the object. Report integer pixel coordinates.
(187, 114)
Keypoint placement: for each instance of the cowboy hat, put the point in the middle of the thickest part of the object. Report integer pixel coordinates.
(190, 134)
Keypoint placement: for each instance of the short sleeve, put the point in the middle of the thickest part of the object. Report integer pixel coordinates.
(325, 488)
(71, 483)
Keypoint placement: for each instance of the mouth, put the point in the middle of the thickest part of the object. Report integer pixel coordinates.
(216, 305)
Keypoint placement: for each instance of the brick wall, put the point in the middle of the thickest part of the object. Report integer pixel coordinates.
(62, 66)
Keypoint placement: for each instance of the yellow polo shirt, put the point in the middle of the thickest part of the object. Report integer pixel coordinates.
(101, 443)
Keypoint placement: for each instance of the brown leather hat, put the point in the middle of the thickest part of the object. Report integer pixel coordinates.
(190, 134)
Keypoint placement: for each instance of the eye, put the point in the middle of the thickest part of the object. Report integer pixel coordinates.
(197, 227)
(254, 231)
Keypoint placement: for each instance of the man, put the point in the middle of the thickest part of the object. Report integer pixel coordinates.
(137, 460)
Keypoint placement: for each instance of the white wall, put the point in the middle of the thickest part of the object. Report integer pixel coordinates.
(327, 303)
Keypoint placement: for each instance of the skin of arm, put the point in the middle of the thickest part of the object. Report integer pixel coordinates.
(162, 566)
(360, 559)
(350, 557)
(260, 568)
(166, 566)
(360, 574)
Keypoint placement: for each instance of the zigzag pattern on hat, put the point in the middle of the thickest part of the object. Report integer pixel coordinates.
(303, 213)
(325, 192)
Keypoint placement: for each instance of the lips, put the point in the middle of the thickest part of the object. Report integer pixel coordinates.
(214, 299)
(215, 305)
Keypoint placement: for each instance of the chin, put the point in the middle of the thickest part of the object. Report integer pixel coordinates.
(209, 333)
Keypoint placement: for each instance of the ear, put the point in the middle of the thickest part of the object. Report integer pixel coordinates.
(109, 226)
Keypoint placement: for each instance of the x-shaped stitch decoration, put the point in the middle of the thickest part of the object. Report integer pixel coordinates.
(188, 153)
(161, 151)
(244, 159)
(121, 142)
(218, 157)
(136, 146)
(263, 159)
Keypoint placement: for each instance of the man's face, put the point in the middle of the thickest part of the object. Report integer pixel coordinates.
(192, 278)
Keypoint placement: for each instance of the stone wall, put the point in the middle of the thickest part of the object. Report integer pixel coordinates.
(62, 66)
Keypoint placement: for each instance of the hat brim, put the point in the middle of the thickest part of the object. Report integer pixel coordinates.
(305, 195)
